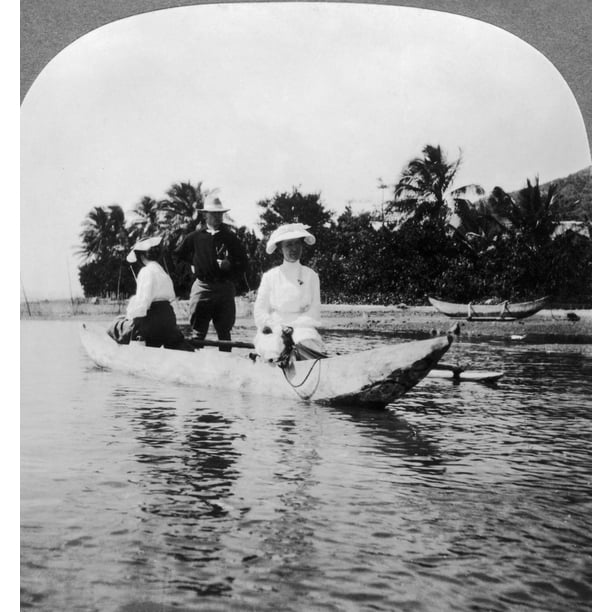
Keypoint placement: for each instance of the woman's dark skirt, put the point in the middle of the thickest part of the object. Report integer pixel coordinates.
(157, 328)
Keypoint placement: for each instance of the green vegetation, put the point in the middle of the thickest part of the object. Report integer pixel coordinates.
(431, 238)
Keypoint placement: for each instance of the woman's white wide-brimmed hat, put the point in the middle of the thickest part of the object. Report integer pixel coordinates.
(214, 206)
(290, 231)
(143, 246)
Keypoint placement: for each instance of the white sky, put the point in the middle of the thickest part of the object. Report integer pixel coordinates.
(255, 99)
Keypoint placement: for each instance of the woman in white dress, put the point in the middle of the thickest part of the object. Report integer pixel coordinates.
(289, 294)
(149, 315)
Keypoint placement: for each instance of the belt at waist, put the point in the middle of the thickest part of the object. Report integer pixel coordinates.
(158, 304)
(212, 280)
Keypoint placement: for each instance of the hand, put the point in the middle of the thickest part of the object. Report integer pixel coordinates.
(137, 327)
(224, 264)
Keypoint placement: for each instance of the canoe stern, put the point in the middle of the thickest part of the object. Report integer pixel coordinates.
(400, 380)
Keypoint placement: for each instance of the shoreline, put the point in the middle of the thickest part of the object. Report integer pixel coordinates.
(552, 325)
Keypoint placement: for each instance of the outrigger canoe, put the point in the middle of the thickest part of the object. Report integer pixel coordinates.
(374, 377)
(489, 312)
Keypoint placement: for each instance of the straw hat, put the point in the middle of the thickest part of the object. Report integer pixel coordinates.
(290, 231)
(214, 206)
(143, 246)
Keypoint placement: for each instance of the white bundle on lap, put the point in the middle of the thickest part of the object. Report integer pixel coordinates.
(269, 346)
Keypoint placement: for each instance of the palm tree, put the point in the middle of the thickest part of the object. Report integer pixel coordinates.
(425, 185)
(533, 215)
(179, 211)
(293, 207)
(104, 233)
(480, 224)
(476, 226)
(184, 200)
(147, 218)
(104, 245)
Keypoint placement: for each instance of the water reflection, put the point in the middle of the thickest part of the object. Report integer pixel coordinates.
(143, 496)
(288, 537)
(188, 454)
(208, 458)
(189, 457)
(396, 436)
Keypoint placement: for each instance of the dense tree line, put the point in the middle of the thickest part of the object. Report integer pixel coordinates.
(431, 238)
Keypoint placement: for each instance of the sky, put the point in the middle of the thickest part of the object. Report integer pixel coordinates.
(256, 99)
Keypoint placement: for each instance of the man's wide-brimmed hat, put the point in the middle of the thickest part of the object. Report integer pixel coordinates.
(291, 231)
(142, 246)
(214, 206)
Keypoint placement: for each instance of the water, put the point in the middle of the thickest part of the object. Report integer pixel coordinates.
(136, 495)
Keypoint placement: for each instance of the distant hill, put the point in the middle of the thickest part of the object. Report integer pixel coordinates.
(574, 199)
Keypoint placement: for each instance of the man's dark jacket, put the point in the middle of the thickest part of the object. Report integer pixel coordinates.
(201, 249)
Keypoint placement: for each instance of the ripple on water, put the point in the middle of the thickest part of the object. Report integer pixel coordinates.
(142, 496)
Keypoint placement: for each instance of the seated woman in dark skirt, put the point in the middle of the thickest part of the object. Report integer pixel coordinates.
(150, 316)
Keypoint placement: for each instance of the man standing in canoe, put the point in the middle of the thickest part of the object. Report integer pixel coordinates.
(217, 258)
(150, 316)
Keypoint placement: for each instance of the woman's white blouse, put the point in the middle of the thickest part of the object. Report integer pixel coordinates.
(152, 285)
(288, 295)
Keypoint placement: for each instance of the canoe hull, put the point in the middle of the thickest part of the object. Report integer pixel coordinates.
(489, 312)
(375, 378)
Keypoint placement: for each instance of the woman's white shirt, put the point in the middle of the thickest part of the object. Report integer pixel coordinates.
(289, 294)
(152, 285)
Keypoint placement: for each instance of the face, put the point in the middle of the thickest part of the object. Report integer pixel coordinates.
(214, 219)
(292, 249)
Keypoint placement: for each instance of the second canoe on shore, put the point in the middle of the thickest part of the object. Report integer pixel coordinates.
(489, 312)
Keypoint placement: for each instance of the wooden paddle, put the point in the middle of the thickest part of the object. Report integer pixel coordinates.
(198, 343)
